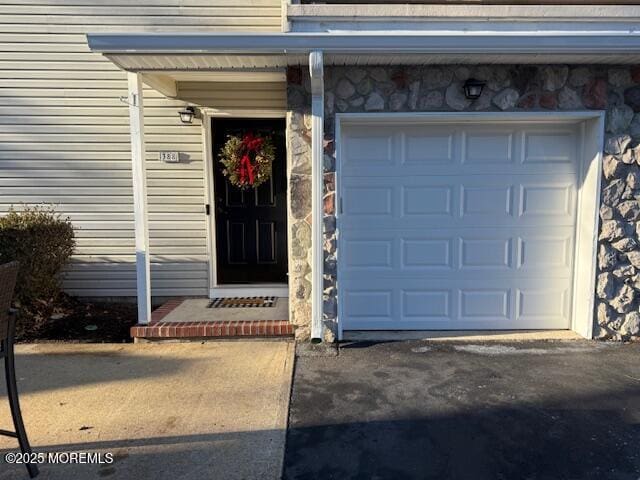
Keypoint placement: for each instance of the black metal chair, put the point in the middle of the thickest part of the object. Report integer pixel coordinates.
(8, 275)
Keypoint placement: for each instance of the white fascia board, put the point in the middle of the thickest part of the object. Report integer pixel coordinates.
(391, 42)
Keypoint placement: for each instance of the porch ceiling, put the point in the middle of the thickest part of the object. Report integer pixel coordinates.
(201, 62)
(232, 52)
(170, 82)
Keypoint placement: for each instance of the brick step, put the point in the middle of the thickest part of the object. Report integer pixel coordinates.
(223, 329)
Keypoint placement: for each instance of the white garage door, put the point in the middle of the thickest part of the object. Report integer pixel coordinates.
(457, 226)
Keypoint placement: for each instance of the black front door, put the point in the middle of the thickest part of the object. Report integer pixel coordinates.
(251, 225)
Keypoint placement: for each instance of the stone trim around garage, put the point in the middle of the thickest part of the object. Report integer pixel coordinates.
(615, 89)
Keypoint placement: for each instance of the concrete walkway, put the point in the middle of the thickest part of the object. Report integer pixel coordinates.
(467, 411)
(166, 411)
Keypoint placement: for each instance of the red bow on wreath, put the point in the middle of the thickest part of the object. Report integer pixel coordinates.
(249, 144)
(246, 169)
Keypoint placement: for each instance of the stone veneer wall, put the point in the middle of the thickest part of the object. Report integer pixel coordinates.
(615, 89)
(299, 220)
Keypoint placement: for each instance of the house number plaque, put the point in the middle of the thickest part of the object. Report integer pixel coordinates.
(169, 157)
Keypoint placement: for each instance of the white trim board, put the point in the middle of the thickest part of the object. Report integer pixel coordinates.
(140, 196)
(586, 242)
(243, 112)
(209, 196)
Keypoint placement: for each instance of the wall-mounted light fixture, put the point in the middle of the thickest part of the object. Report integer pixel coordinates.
(473, 88)
(187, 114)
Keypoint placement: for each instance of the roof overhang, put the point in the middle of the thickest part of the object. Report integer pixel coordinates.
(224, 52)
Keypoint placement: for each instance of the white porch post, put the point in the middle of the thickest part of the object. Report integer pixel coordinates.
(139, 174)
(316, 70)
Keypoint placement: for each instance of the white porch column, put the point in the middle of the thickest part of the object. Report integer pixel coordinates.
(316, 70)
(139, 174)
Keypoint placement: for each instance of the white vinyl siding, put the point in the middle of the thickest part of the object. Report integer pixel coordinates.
(64, 134)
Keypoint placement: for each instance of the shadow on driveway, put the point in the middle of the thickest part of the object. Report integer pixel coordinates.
(176, 411)
(251, 455)
(413, 410)
(96, 364)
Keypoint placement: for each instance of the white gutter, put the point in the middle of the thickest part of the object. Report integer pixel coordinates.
(374, 44)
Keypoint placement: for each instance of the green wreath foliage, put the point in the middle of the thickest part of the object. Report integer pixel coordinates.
(261, 161)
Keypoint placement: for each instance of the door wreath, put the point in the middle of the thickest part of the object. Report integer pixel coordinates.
(247, 160)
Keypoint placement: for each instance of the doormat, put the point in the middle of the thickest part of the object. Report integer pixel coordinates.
(242, 302)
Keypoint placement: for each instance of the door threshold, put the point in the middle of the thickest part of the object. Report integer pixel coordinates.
(460, 335)
(250, 290)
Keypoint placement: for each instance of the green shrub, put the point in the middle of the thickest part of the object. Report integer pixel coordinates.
(42, 241)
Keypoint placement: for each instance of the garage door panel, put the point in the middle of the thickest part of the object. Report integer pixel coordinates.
(416, 202)
(550, 147)
(426, 304)
(471, 251)
(371, 148)
(457, 226)
(369, 199)
(547, 199)
(536, 305)
(477, 275)
(482, 200)
(416, 169)
(443, 305)
(427, 200)
(485, 253)
(369, 253)
(446, 150)
(488, 147)
(434, 147)
(375, 305)
(427, 254)
(551, 254)
(484, 303)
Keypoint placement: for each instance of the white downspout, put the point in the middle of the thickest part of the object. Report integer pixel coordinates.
(316, 70)
(139, 175)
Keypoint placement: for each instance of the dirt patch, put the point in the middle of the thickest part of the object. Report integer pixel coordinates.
(75, 320)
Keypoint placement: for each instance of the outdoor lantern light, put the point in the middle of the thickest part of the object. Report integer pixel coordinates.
(473, 88)
(186, 115)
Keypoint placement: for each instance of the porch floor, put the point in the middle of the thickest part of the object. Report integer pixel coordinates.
(195, 310)
(190, 318)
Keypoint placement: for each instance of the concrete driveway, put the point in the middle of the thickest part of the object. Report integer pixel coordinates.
(417, 410)
(174, 411)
